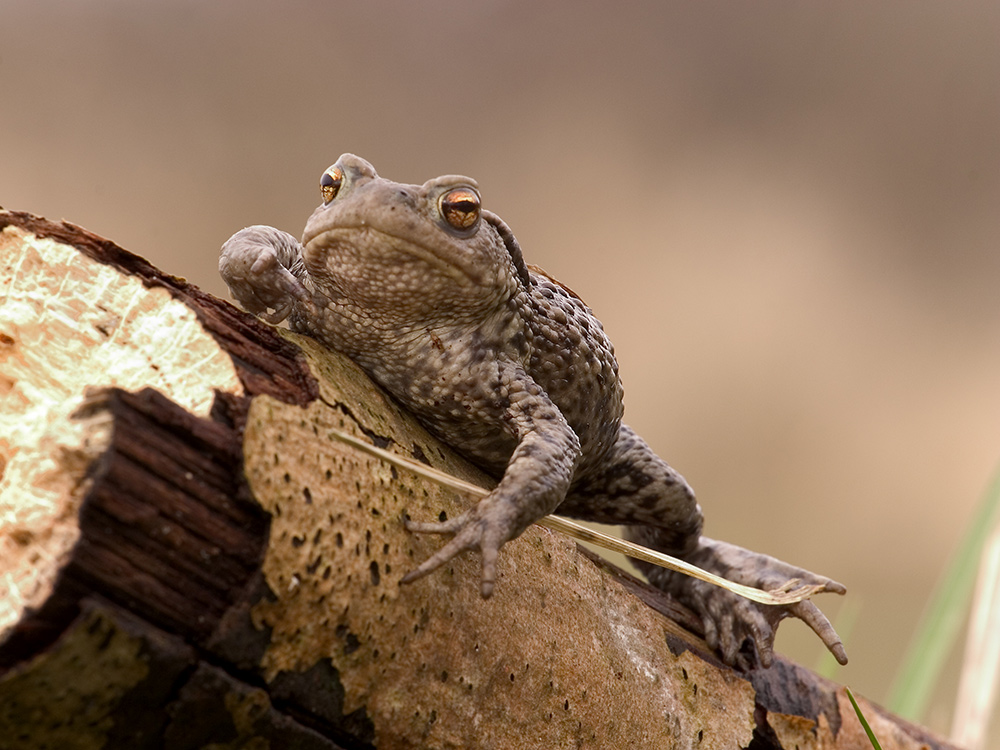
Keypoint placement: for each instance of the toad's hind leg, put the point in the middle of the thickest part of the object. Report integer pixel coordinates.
(637, 488)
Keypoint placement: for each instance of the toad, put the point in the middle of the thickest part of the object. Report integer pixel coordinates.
(429, 292)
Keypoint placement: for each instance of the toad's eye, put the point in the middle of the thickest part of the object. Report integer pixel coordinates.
(460, 207)
(330, 182)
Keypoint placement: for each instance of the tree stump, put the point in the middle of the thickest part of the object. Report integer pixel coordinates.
(190, 558)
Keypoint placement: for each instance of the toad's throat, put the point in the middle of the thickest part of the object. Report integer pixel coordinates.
(374, 243)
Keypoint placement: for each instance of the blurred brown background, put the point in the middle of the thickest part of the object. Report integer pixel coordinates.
(786, 214)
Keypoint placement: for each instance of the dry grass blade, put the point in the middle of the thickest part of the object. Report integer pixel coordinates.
(978, 684)
(789, 594)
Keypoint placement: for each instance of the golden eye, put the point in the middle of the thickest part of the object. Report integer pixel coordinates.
(460, 207)
(330, 183)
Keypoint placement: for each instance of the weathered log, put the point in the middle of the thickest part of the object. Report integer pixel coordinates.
(189, 556)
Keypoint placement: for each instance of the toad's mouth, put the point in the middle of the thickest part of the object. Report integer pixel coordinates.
(376, 245)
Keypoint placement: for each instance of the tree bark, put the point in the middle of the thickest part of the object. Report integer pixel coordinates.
(189, 556)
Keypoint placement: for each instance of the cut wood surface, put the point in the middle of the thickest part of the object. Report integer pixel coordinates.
(190, 558)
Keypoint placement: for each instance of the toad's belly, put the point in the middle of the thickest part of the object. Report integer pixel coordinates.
(486, 444)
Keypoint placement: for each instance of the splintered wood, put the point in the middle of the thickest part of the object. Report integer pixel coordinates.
(68, 323)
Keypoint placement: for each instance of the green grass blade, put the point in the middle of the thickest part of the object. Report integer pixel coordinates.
(864, 722)
(942, 620)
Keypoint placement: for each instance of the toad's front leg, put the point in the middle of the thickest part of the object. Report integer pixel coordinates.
(535, 481)
(263, 268)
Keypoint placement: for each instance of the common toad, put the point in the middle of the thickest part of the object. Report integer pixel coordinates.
(429, 293)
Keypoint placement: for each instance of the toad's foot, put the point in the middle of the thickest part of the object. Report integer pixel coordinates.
(484, 527)
(731, 622)
(261, 266)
